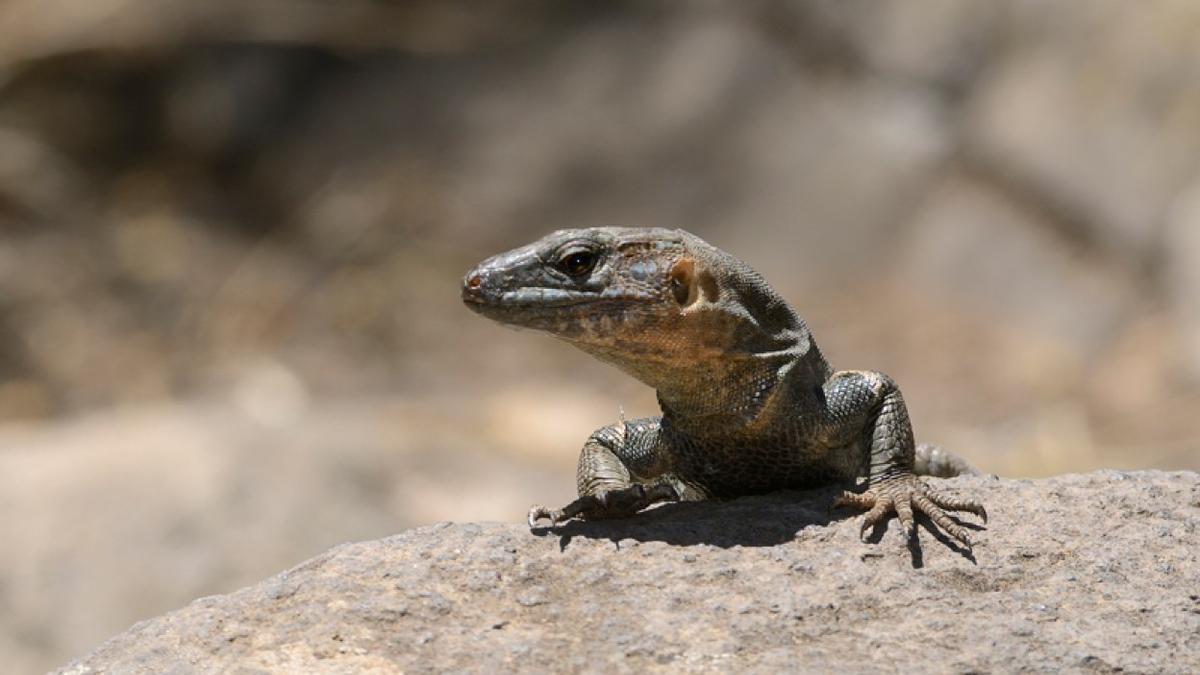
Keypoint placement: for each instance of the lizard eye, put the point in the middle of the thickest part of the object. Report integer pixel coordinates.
(577, 263)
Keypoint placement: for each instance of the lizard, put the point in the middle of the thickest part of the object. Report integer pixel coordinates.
(749, 403)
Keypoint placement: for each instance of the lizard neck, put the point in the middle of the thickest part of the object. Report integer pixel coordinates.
(746, 397)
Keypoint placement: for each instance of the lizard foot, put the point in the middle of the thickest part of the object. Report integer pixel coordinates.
(902, 495)
(618, 503)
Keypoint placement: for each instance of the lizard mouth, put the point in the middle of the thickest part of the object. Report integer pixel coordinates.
(473, 293)
(545, 297)
(559, 311)
(495, 292)
(479, 291)
(535, 298)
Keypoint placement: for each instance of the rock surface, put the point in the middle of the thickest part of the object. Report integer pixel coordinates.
(1082, 573)
(208, 497)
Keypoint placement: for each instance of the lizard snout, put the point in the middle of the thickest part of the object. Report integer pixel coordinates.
(473, 287)
(487, 282)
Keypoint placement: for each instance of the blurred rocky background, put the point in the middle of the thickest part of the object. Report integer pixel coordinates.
(232, 235)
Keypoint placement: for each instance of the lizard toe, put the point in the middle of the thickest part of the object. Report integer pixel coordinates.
(904, 511)
(877, 514)
(537, 512)
(905, 495)
(854, 499)
(954, 503)
(926, 505)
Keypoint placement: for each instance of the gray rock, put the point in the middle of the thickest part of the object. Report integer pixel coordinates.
(1087, 113)
(1182, 272)
(1091, 571)
(986, 252)
(942, 42)
(204, 499)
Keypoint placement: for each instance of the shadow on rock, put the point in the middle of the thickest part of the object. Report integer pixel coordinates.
(766, 520)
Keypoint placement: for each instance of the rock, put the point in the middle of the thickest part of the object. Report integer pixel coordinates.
(989, 254)
(1077, 572)
(939, 41)
(1182, 273)
(808, 165)
(1087, 114)
(119, 516)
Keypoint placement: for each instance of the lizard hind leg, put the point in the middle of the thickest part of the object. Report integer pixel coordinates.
(892, 484)
(619, 474)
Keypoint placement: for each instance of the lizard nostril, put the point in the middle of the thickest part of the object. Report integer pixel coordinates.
(475, 282)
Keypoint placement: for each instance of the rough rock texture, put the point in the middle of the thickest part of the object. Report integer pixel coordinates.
(113, 518)
(1095, 572)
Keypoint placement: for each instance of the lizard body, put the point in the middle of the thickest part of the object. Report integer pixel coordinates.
(749, 403)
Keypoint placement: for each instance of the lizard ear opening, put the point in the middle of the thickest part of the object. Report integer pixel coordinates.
(689, 284)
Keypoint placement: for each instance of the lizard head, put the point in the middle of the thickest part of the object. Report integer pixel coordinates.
(663, 305)
(579, 285)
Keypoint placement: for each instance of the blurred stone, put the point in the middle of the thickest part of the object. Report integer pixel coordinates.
(153, 247)
(995, 258)
(827, 169)
(751, 142)
(1095, 113)
(943, 42)
(39, 181)
(114, 517)
(271, 394)
(24, 399)
(526, 422)
(30, 29)
(1181, 248)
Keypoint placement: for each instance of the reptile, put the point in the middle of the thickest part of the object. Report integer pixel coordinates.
(749, 403)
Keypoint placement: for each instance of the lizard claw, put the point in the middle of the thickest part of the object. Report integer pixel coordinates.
(537, 512)
(904, 495)
(580, 506)
(605, 504)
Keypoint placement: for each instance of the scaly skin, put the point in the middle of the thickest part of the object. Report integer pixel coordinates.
(749, 403)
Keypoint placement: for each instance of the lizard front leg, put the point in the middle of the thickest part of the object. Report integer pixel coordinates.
(620, 472)
(892, 485)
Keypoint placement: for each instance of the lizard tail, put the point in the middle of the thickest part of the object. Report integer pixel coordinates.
(933, 460)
